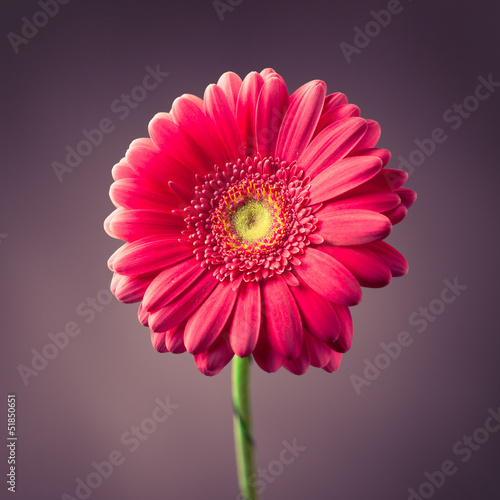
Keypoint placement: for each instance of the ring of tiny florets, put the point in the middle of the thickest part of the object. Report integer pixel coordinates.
(250, 219)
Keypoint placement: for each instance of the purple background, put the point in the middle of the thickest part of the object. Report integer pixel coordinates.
(373, 445)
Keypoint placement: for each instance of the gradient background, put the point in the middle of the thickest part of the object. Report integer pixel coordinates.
(373, 445)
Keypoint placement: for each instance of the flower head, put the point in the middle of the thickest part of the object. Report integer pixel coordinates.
(252, 219)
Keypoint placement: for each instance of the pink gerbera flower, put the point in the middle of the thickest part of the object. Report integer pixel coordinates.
(252, 219)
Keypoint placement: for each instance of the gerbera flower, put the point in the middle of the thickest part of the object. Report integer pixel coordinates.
(252, 219)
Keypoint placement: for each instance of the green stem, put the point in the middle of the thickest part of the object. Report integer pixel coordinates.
(243, 442)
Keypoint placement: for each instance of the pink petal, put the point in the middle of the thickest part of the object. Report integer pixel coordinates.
(215, 358)
(343, 176)
(149, 254)
(171, 283)
(267, 72)
(343, 343)
(174, 339)
(265, 355)
(371, 137)
(407, 196)
(224, 121)
(383, 154)
(367, 268)
(397, 214)
(190, 118)
(300, 120)
(157, 168)
(208, 320)
(170, 138)
(246, 109)
(300, 364)
(328, 277)
(139, 194)
(319, 352)
(283, 323)
(334, 114)
(331, 145)
(130, 289)
(246, 320)
(395, 260)
(132, 225)
(230, 83)
(122, 170)
(377, 201)
(352, 227)
(143, 316)
(318, 314)
(271, 108)
(334, 362)
(184, 304)
(158, 341)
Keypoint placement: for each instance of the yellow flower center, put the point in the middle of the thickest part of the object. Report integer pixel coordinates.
(252, 221)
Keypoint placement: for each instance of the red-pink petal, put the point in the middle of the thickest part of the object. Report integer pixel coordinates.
(123, 170)
(334, 362)
(207, 322)
(156, 167)
(397, 214)
(331, 145)
(377, 201)
(230, 83)
(245, 327)
(407, 196)
(367, 268)
(171, 283)
(132, 225)
(283, 322)
(139, 194)
(394, 259)
(318, 314)
(246, 108)
(343, 343)
(158, 341)
(383, 154)
(168, 136)
(335, 114)
(130, 289)
(352, 227)
(174, 339)
(343, 176)
(265, 355)
(300, 120)
(215, 358)
(184, 305)
(371, 137)
(319, 352)
(149, 254)
(188, 115)
(224, 121)
(271, 108)
(300, 364)
(329, 277)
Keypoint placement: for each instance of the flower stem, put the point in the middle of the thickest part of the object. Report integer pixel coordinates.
(243, 442)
